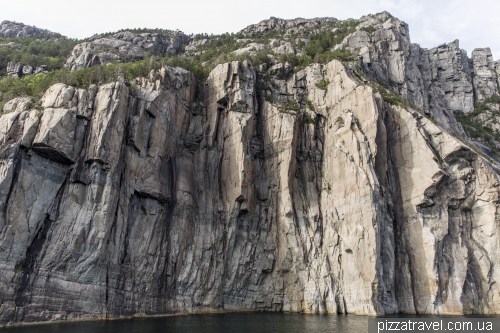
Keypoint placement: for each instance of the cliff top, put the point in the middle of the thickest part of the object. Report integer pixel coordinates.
(377, 46)
(11, 29)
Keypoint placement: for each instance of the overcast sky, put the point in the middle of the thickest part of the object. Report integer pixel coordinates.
(432, 22)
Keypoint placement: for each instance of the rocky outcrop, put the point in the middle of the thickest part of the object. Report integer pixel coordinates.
(497, 71)
(14, 68)
(295, 25)
(14, 29)
(275, 45)
(251, 48)
(17, 70)
(485, 76)
(17, 104)
(194, 44)
(124, 46)
(442, 82)
(450, 69)
(437, 81)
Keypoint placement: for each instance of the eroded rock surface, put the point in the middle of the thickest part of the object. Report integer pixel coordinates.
(17, 70)
(14, 29)
(294, 25)
(171, 199)
(485, 77)
(124, 46)
(260, 189)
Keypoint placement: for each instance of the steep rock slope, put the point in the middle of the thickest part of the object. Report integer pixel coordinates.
(443, 82)
(165, 200)
(318, 190)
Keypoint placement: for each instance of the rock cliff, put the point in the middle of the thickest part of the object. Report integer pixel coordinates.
(322, 194)
(124, 46)
(17, 70)
(14, 29)
(298, 25)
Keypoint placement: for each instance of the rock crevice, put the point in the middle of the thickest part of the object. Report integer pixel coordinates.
(176, 197)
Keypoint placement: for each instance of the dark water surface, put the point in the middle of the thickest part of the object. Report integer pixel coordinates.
(214, 323)
(250, 322)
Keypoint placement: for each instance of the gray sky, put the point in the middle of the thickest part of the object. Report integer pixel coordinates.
(432, 22)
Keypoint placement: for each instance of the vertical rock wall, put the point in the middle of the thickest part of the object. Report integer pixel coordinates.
(171, 199)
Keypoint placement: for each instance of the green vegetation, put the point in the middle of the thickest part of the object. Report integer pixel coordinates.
(326, 187)
(339, 121)
(390, 97)
(36, 85)
(483, 106)
(135, 30)
(296, 61)
(261, 57)
(323, 85)
(370, 29)
(307, 119)
(393, 98)
(220, 49)
(310, 105)
(318, 49)
(52, 53)
(300, 62)
(270, 99)
(35, 52)
(479, 131)
(290, 106)
(321, 43)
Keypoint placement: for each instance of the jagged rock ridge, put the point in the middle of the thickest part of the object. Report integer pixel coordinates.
(164, 196)
(13, 29)
(296, 25)
(443, 82)
(124, 46)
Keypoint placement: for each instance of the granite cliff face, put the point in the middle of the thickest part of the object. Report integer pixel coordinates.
(320, 195)
(14, 29)
(17, 70)
(124, 46)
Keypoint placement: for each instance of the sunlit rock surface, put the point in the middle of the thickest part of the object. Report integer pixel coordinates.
(173, 197)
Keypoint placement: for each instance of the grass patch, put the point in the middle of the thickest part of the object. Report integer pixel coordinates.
(339, 121)
(370, 29)
(483, 106)
(36, 85)
(270, 99)
(290, 106)
(393, 98)
(307, 119)
(478, 131)
(323, 85)
(310, 105)
(51, 53)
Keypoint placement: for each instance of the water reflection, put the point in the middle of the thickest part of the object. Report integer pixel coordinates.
(218, 323)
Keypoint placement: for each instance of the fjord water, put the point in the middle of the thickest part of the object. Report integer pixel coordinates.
(215, 323)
